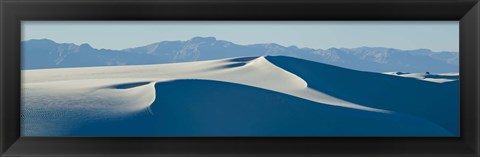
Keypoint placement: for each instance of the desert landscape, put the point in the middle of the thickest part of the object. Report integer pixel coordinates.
(267, 95)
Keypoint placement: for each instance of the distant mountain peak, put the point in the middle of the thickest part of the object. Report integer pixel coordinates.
(203, 39)
(86, 46)
(373, 48)
(41, 41)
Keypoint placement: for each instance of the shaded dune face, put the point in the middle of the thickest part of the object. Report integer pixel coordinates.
(429, 100)
(214, 108)
(129, 85)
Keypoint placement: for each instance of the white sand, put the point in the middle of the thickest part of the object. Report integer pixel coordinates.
(257, 72)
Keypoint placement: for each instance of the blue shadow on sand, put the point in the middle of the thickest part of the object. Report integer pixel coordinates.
(214, 108)
(436, 102)
(129, 85)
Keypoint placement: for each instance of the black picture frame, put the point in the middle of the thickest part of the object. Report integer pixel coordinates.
(14, 11)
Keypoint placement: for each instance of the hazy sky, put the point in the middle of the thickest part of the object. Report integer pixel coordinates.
(434, 35)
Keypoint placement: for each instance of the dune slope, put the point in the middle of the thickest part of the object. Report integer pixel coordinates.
(437, 102)
(183, 108)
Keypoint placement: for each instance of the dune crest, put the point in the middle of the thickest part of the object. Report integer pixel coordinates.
(260, 72)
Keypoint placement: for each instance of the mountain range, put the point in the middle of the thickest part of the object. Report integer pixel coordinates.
(46, 54)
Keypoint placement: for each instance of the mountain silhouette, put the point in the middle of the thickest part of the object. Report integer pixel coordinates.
(45, 54)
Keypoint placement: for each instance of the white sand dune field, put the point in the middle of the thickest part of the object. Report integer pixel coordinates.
(248, 96)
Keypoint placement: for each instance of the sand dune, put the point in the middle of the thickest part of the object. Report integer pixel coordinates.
(260, 96)
(438, 78)
(436, 102)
